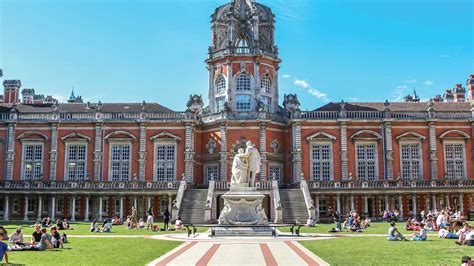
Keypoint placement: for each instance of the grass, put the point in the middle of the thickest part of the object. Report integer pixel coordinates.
(82, 228)
(371, 250)
(98, 251)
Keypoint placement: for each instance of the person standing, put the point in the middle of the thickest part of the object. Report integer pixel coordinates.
(3, 245)
(166, 219)
(149, 219)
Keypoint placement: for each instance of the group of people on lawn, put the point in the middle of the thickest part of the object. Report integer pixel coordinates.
(351, 222)
(132, 223)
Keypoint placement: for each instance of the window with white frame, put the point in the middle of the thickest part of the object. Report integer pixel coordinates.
(242, 102)
(267, 102)
(265, 85)
(31, 205)
(220, 102)
(323, 207)
(243, 46)
(383, 205)
(410, 160)
(276, 171)
(117, 206)
(321, 158)
(32, 161)
(410, 204)
(59, 205)
(366, 156)
(242, 83)
(105, 205)
(16, 205)
(120, 161)
(454, 160)
(165, 161)
(211, 170)
(45, 206)
(76, 158)
(221, 86)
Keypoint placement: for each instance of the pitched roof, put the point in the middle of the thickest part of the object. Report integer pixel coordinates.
(398, 106)
(93, 107)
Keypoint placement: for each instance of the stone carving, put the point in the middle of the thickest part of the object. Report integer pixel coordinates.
(275, 146)
(211, 146)
(246, 165)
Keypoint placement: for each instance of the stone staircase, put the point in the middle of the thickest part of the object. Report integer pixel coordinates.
(294, 206)
(192, 206)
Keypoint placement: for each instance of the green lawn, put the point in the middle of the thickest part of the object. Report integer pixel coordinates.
(378, 251)
(82, 228)
(98, 251)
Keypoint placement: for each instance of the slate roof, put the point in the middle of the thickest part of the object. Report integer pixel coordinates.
(93, 107)
(398, 106)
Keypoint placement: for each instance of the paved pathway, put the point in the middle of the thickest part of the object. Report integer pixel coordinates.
(241, 251)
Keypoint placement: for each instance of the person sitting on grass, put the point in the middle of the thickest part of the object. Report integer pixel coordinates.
(56, 238)
(466, 239)
(116, 221)
(178, 225)
(3, 245)
(445, 233)
(421, 234)
(107, 227)
(466, 261)
(155, 228)
(141, 224)
(94, 228)
(66, 225)
(410, 224)
(36, 236)
(356, 227)
(16, 239)
(394, 234)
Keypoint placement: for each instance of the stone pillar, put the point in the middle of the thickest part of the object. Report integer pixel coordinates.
(142, 153)
(86, 216)
(170, 202)
(121, 209)
(344, 157)
(461, 203)
(6, 208)
(98, 152)
(415, 211)
(366, 205)
(387, 203)
(135, 203)
(338, 203)
(100, 208)
(148, 203)
(53, 207)
(433, 201)
(297, 152)
(263, 151)
(25, 216)
(400, 203)
(433, 151)
(40, 207)
(211, 94)
(276, 89)
(388, 149)
(73, 208)
(352, 203)
(316, 202)
(447, 201)
(189, 152)
(223, 153)
(53, 152)
(10, 155)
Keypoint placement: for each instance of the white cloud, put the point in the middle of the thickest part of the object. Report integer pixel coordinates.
(410, 81)
(401, 87)
(286, 76)
(318, 94)
(352, 99)
(301, 83)
(428, 82)
(399, 93)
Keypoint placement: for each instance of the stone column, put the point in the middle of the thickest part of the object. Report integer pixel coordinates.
(461, 203)
(400, 203)
(256, 74)
(316, 202)
(344, 157)
(148, 203)
(135, 203)
(447, 201)
(25, 216)
(100, 208)
(263, 151)
(388, 149)
(170, 203)
(366, 205)
(297, 153)
(433, 201)
(415, 211)
(40, 207)
(338, 203)
(6, 208)
(352, 203)
(433, 151)
(211, 94)
(98, 152)
(142, 153)
(223, 153)
(10, 155)
(86, 218)
(53, 152)
(189, 152)
(73, 209)
(387, 203)
(121, 209)
(53, 207)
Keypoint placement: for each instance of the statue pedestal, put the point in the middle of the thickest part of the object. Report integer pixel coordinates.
(243, 206)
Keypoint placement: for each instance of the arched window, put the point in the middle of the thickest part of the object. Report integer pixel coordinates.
(243, 82)
(243, 46)
(220, 85)
(265, 85)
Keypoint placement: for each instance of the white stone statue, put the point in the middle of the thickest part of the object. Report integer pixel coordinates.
(240, 168)
(254, 161)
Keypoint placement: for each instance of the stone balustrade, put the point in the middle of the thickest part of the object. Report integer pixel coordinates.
(390, 184)
(260, 185)
(84, 185)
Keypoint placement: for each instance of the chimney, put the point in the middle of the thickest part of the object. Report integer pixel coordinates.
(448, 95)
(28, 96)
(459, 93)
(11, 93)
(470, 88)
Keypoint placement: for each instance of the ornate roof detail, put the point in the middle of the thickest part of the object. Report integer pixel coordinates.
(321, 135)
(165, 135)
(410, 135)
(454, 134)
(128, 135)
(75, 136)
(366, 135)
(28, 136)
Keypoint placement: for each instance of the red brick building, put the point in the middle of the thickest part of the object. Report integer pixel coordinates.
(94, 160)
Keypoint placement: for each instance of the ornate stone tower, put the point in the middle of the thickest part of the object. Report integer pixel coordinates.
(243, 58)
(470, 88)
(11, 93)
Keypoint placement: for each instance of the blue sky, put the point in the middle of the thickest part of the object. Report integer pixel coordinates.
(332, 50)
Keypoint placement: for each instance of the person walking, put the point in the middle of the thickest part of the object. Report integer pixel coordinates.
(166, 219)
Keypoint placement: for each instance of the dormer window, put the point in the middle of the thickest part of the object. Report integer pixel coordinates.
(243, 83)
(243, 46)
(220, 85)
(266, 85)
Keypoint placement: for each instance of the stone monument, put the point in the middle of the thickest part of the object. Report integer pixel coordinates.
(243, 213)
